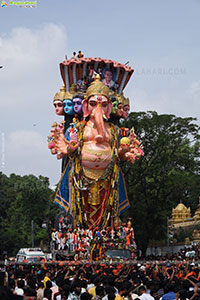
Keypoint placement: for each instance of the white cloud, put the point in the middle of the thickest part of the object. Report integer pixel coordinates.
(30, 77)
(29, 57)
(26, 152)
(175, 95)
(26, 49)
(26, 141)
(139, 100)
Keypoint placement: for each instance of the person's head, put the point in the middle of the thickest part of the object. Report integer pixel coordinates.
(47, 293)
(96, 281)
(182, 294)
(31, 283)
(111, 296)
(48, 284)
(170, 287)
(44, 274)
(100, 291)
(154, 293)
(110, 280)
(40, 285)
(20, 284)
(86, 296)
(121, 289)
(108, 75)
(11, 283)
(141, 290)
(63, 295)
(77, 287)
(109, 289)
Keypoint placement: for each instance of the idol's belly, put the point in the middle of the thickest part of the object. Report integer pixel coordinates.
(96, 156)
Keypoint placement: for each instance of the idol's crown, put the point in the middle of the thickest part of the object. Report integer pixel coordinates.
(97, 88)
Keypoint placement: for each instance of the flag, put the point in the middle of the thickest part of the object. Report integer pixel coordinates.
(62, 193)
(123, 197)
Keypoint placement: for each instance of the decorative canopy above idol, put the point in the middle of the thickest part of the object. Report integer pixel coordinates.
(78, 69)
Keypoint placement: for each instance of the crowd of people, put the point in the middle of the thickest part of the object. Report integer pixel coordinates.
(98, 281)
(186, 252)
(80, 239)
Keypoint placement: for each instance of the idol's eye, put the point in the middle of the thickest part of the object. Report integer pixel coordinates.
(104, 104)
(58, 104)
(92, 103)
(77, 103)
(69, 104)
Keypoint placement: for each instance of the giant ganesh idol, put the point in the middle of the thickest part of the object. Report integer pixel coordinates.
(92, 187)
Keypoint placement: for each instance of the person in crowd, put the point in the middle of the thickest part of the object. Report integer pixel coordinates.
(170, 295)
(121, 292)
(19, 288)
(76, 290)
(47, 294)
(40, 290)
(143, 294)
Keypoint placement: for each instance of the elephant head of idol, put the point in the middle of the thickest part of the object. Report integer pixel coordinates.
(97, 106)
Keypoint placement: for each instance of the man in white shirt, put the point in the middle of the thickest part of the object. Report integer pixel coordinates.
(143, 294)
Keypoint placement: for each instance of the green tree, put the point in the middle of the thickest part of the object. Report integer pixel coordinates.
(167, 174)
(24, 199)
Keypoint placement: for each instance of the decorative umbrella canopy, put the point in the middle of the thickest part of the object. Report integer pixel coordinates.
(76, 69)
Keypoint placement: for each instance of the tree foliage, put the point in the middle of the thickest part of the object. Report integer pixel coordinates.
(24, 199)
(167, 174)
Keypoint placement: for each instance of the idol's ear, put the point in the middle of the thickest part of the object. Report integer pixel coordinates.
(109, 109)
(85, 108)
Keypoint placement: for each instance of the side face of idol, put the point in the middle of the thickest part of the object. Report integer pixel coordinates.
(114, 107)
(68, 107)
(120, 110)
(126, 110)
(58, 104)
